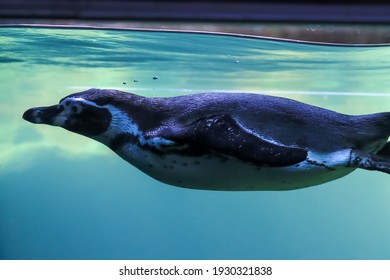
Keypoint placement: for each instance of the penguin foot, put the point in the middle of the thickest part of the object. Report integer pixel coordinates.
(360, 159)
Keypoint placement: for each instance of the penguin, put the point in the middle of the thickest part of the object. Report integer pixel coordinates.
(225, 141)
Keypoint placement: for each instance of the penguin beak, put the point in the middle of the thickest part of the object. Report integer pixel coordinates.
(43, 115)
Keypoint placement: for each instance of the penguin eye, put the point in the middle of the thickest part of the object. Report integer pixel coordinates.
(74, 109)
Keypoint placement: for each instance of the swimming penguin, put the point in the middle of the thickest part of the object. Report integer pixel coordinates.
(225, 141)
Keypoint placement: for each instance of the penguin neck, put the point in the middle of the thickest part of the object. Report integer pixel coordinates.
(144, 112)
(130, 123)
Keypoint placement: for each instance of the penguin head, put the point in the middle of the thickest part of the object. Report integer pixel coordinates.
(77, 113)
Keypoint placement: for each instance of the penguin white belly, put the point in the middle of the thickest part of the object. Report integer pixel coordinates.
(223, 173)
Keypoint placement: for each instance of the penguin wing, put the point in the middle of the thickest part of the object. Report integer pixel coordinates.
(223, 135)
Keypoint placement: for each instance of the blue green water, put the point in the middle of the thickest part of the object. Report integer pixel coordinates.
(63, 196)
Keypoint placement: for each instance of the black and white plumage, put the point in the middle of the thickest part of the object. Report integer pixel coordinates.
(226, 141)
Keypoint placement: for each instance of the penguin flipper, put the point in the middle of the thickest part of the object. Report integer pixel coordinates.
(369, 161)
(223, 135)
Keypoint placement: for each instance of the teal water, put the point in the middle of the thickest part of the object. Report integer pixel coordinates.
(63, 196)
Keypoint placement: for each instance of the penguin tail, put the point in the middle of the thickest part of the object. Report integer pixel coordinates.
(369, 131)
(385, 151)
(368, 161)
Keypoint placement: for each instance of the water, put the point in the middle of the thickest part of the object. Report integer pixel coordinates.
(63, 196)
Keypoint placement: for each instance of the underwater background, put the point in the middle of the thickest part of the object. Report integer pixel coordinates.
(64, 196)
